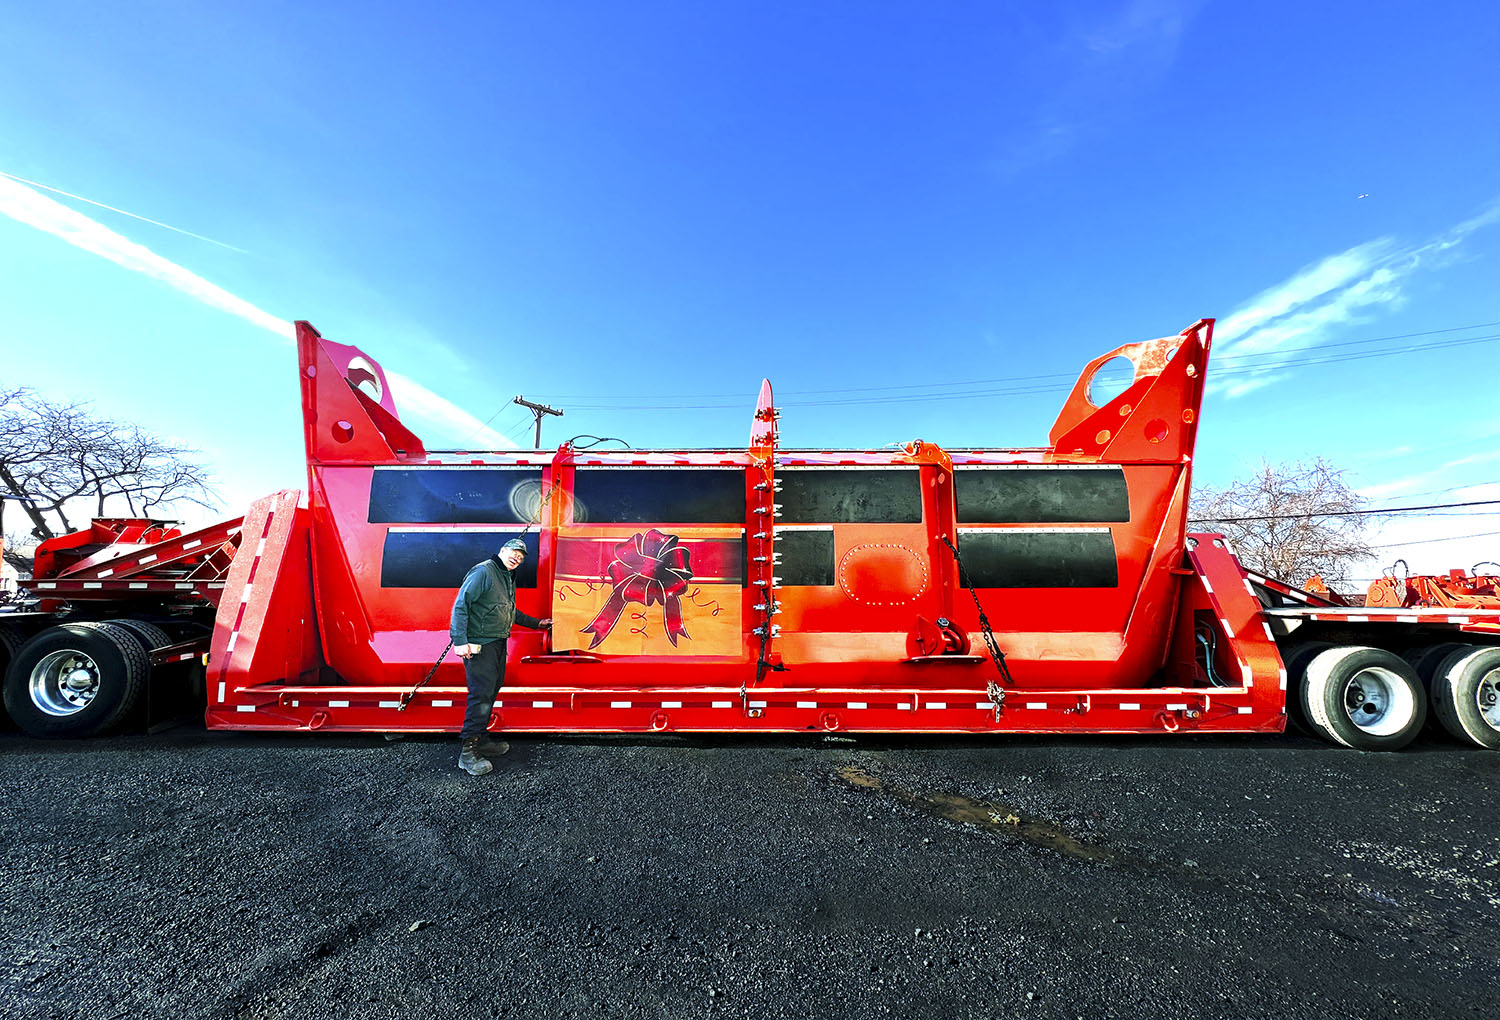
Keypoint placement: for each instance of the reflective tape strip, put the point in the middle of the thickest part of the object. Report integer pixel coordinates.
(730, 704)
(1246, 675)
(904, 708)
(106, 573)
(244, 708)
(92, 584)
(807, 704)
(1244, 710)
(183, 586)
(755, 704)
(1250, 587)
(1406, 619)
(1281, 677)
(1359, 619)
(984, 704)
(47, 584)
(195, 543)
(1036, 704)
(235, 636)
(147, 559)
(859, 704)
(936, 704)
(1458, 619)
(1269, 636)
(619, 704)
(245, 595)
(1177, 708)
(390, 704)
(541, 704)
(221, 690)
(444, 703)
(1206, 586)
(260, 549)
(137, 584)
(338, 704)
(671, 704)
(1130, 706)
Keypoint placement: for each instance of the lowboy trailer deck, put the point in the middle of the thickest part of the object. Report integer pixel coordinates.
(763, 588)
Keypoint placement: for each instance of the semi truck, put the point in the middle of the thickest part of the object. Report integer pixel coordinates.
(763, 588)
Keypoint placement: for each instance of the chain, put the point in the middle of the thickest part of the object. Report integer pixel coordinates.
(536, 516)
(992, 690)
(406, 698)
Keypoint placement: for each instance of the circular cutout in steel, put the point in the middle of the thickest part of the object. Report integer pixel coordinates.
(1110, 380)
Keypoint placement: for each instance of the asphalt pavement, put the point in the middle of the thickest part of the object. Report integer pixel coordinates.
(192, 874)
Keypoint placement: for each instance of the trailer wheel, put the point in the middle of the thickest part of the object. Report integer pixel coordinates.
(1365, 698)
(75, 680)
(11, 640)
(1465, 691)
(149, 635)
(1425, 658)
(1296, 661)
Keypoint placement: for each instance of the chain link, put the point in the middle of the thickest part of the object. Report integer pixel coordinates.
(993, 690)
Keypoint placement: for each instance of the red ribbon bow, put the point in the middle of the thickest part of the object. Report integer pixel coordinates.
(648, 568)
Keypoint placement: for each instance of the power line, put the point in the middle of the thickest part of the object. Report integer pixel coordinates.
(1342, 513)
(1233, 361)
(1233, 371)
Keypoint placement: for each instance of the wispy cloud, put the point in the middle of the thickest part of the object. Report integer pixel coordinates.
(25, 205)
(1094, 74)
(1340, 290)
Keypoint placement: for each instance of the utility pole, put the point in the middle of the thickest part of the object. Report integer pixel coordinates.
(539, 411)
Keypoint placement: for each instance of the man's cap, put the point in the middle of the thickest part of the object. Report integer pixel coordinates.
(516, 544)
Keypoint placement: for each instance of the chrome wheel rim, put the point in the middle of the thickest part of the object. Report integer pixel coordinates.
(1377, 701)
(1487, 698)
(64, 683)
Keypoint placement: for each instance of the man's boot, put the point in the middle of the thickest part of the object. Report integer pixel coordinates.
(493, 745)
(470, 761)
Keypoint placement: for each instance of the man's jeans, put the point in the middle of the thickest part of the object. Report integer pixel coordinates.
(484, 671)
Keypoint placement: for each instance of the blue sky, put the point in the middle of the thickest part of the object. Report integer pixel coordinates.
(636, 211)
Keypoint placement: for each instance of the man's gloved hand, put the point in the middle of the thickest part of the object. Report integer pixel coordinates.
(545, 624)
(464, 651)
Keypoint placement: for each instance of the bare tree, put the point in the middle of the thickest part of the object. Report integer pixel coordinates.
(59, 461)
(1290, 521)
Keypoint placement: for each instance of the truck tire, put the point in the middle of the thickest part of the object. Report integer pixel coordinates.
(1465, 692)
(1425, 658)
(149, 635)
(75, 680)
(1296, 660)
(1365, 698)
(11, 639)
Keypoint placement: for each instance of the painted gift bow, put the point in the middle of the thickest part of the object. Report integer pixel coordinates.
(648, 568)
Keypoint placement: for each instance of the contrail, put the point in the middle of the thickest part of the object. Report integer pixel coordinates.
(19, 202)
(122, 212)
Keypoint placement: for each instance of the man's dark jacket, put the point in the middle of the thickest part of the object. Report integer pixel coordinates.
(485, 609)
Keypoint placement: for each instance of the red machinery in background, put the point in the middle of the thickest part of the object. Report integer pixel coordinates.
(757, 588)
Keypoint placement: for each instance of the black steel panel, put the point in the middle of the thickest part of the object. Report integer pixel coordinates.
(669, 495)
(1055, 559)
(850, 495)
(1041, 496)
(806, 558)
(440, 559)
(454, 495)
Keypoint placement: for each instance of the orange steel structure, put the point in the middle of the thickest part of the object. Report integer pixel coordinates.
(762, 588)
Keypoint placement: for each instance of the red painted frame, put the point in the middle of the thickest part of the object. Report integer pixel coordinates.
(306, 638)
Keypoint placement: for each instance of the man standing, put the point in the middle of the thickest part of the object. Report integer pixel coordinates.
(483, 614)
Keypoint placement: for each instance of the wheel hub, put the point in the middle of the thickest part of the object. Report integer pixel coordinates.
(1376, 701)
(64, 682)
(1487, 695)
